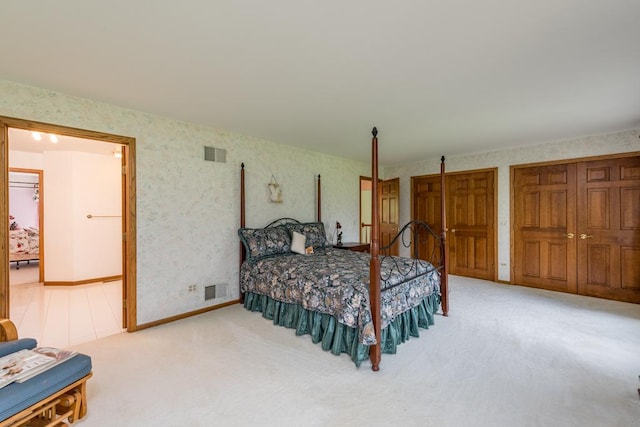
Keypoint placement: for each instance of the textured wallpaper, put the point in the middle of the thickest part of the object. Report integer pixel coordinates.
(188, 208)
(622, 142)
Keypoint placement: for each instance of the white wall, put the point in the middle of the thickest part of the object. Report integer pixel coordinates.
(78, 248)
(21, 202)
(187, 208)
(96, 189)
(622, 142)
(25, 160)
(59, 230)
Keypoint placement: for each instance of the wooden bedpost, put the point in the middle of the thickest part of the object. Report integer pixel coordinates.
(319, 201)
(242, 224)
(374, 268)
(444, 273)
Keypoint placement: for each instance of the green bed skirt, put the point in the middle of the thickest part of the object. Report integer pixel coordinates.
(338, 338)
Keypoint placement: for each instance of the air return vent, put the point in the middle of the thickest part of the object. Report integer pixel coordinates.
(213, 154)
(209, 292)
(215, 291)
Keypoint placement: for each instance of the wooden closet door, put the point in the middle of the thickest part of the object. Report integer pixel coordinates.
(544, 227)
(426, 207)
(608, 229)
(470, 219)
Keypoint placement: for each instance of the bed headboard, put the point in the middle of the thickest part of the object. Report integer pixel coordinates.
(282, 221)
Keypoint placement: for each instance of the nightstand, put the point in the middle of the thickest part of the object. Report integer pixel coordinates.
(354, 246)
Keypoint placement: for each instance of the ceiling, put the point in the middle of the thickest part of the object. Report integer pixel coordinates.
(435, 77)
(23, 140)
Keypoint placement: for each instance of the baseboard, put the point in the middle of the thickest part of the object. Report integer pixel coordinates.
(185, 315)
(504, 282)
(83, 282)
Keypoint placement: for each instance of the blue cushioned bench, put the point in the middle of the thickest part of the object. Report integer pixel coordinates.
(49, 398)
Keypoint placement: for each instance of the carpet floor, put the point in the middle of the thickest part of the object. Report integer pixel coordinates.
(505, 356)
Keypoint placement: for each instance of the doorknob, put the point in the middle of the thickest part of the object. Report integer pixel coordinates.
(453, 230)
(585, 236)
(569, 235)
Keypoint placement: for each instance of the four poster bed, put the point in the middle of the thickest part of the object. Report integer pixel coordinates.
(356, 303)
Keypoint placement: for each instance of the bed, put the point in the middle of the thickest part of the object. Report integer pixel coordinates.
(362, 304)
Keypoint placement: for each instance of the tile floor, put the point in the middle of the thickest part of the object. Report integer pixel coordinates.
(63, 316)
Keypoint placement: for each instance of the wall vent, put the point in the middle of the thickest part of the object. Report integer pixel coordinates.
(215, 291)
(209, 292)
(213, 154)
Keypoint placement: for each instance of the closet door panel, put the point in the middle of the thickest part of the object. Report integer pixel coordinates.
(608, 227)
(426, 207)
(544, 207)
(471, 223)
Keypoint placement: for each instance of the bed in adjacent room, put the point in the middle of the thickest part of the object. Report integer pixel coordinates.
(24, 245)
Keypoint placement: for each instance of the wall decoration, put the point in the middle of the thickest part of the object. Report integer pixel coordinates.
(275, 193)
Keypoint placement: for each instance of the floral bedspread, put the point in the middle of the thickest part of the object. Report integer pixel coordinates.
(336, 282)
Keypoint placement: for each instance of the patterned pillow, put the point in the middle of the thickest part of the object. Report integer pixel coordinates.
(313, 231)
(264, 242)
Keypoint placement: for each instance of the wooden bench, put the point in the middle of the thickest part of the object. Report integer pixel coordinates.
(55, 397)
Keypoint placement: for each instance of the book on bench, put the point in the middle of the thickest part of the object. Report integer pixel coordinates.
(25, 364)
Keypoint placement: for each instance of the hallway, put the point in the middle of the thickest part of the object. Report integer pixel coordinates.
(63, 316)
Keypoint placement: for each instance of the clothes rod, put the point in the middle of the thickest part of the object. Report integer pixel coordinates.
(103, 216)
(26, 185)
(23, 182)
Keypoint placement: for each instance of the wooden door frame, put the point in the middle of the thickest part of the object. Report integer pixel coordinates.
(40, 216)
(512, 169)
(128, 195)
(360, 222)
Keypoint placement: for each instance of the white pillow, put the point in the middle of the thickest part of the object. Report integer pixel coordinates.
(297, 243)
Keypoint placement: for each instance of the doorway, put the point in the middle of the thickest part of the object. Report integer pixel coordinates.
(365, 209)
(576, 227)
(26, 224)
(127, 213)
(389, 214)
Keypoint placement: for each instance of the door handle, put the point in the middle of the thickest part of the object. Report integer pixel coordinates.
(453, 230)
(585, 236)
(569, 235)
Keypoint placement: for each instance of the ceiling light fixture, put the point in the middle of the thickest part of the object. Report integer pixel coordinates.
(117, 154)
(53, 138)
(36, 136)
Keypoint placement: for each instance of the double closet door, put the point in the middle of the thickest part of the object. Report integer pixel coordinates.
(577, 227)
